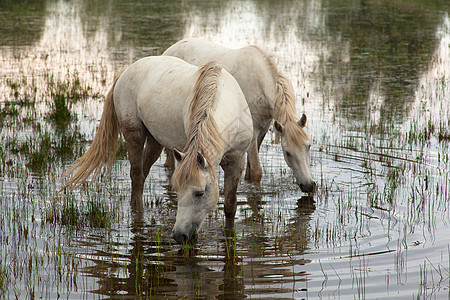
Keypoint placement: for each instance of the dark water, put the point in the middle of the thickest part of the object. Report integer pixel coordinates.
(373, 78)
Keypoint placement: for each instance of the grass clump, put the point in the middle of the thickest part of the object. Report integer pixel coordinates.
(94, 213)
(8, 110)
(98, 214)
(70, 214)
(4, 279)
(43, 150)
(60, 113)
(38, 152)
(63, 95)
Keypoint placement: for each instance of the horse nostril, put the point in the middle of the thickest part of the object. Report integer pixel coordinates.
(302, 187)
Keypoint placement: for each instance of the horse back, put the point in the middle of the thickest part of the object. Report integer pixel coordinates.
(248, 65)
(155, 91)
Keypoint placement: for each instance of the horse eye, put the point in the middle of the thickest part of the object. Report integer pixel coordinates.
(199, 194)
(287, 153)
(309, 147)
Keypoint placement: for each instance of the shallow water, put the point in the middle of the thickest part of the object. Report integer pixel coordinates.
(373, 79)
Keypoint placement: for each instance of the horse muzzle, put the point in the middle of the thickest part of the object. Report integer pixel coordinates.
(185, 237)
(307, 188)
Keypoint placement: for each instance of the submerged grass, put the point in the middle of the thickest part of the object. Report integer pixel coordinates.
(60, 113)
(63, 94)
(71, 212)
(4, 279)
(47, 147)
(98, 214)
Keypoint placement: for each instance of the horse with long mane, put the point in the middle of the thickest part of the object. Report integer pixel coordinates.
(163, 101)
(270, 96)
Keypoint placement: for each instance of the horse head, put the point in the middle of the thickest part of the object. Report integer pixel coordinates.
(198, 193)
(296, 146)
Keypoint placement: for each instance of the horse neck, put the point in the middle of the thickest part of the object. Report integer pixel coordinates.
(277, 88)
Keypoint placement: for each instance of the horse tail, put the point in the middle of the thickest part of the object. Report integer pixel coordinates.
(102, 150)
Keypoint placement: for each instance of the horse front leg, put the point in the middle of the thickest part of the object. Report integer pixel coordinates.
(232, 176)
(170, 160)
(254, 170)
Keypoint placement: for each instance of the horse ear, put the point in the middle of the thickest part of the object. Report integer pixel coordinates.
(201, 161)
(178, 154)
(302, 121)
(278, 126)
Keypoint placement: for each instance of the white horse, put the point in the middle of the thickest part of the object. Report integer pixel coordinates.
(270, 96)
(163, 101)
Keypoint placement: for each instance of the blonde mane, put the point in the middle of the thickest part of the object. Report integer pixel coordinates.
(284, 108)
(203, 134)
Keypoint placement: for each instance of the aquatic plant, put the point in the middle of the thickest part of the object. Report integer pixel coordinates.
(60, 113)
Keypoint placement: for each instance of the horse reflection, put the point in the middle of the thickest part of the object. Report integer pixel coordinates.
(301, 232)
(150, 267)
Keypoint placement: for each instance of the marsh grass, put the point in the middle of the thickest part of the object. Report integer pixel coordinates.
(98, 214)
(60, 113)
(69, 211)
(8, 110)
(47, 147)
(38, 152)
(122, 149)
(4, 279)
(63, 95)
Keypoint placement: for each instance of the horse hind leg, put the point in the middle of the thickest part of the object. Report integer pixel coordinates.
(135, 138)
(262, 135)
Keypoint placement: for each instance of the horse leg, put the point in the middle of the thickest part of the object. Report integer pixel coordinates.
(232, 176)
(170, 160)
(152, 151)
(262, 134)
(135, 139)
(254, 170)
